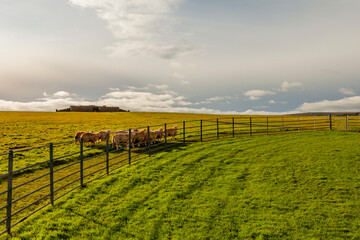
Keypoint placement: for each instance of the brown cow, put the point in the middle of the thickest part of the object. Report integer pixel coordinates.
(172, 132)
(78, 135)
(90, 137)
(141, 137)
(103, 134)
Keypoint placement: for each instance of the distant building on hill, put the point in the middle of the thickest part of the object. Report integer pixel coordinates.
(91, 108)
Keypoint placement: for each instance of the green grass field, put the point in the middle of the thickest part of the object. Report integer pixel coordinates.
(292, 186)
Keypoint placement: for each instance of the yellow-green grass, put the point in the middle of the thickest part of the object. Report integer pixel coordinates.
(32, 129)
(291, 186)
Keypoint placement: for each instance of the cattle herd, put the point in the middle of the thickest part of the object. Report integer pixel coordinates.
(138, 138)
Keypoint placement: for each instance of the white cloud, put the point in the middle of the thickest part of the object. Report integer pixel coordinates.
(162, 87)
(140, 26)
(344, 104)
(272, 102)
(134, 100)
(346, 91)
(286, 85)
(257, 94)
(213, 99)
(61, 94)
(114, 89)
(131, 99)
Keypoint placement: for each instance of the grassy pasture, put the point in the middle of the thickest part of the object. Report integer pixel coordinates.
(291, 186)
(34, 129)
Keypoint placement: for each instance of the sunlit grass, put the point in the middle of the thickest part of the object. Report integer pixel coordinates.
(296, 186)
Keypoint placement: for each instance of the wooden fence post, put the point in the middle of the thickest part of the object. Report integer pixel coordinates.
(107, 153)
(250, 125)
(201, 130)
(314, 122)
(283, 124)
(184, 132)
(9, 193)
(330, 123)
(129, 146)
(347, 122)
(267, 125)
(148, 141)
(52, 174)
(233, 127)
(217, 128)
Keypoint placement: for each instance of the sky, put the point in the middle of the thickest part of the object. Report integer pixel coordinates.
(200, 56)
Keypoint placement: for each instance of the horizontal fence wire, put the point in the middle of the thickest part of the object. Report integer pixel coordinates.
(70, 174)
(28, 194)
(28, 149)
(22, 209)
(66, 185)
(186, 131)
(69, 155)
(31, 166)
(30, 181)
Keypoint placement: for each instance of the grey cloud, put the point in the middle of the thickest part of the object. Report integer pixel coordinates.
(346, 91)
(140, 26)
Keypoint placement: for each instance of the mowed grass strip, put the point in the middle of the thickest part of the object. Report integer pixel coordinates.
(295, 186)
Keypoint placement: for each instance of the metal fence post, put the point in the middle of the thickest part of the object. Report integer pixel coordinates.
(217, 128)
(184, 132)
(314, 122)
(129, 146)
(347, 122)
(82, 162)
(52, 174)
(330, 123)
(233, 125)
(9, 193)
(267, 125)
(107, 153)
(165, 138)
(201, 131)
(250, 127)
(148, 141)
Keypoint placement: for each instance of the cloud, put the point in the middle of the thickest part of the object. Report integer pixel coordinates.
(61, 94)
(341, 105)
(272, 102)
(214, 99)
(162, 87)
(177, 75)
(131, 99)
(140, 26)
(286, 85)
(257, 94)
(184, 82)
(346, 91)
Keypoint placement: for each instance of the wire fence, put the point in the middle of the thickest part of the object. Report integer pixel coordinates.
(34, 178)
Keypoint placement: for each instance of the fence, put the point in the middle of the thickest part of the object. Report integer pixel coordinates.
(37, 177)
